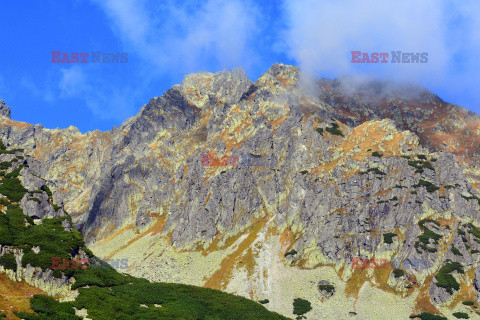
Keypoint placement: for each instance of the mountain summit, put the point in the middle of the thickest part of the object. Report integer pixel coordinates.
(349, 194)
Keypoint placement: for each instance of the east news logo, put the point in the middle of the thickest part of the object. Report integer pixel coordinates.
(96, 57)
(396, 57)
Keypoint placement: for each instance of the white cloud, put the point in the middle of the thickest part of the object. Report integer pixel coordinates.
(320, 36)
(188, 36)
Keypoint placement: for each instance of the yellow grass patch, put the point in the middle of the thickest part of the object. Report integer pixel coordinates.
(15, 296)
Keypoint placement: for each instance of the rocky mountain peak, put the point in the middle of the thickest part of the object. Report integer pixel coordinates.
(4, 110)
(220, 181)
(213, 89)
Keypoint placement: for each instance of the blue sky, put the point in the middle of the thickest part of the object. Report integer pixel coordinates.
(168, 39)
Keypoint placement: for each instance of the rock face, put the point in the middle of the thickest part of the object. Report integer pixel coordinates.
(4, 110)
(36, 203)
(248, 187)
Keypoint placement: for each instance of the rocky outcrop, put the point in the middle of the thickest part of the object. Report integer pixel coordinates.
(4, 110)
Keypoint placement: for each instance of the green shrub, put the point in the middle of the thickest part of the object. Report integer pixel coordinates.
(415, 164)
(319, 130)
(428, 316)
(291, 253)
(334, 129)
(428, 165)
(388, 237)
(177, 302)
(468, 303)
(445, 279)
(301, 306)
(430, 186)
(48, 191)
(461, 315)
(326, 287)
(5, 165)
(471, 198)
(15, 173)
(304, 172)
(377, 154)
(265, 301)
(12, 188)
(34, 199)
(422, 156)
(474, 231)
(397, 273)
(376, 170)
(455, 251)
(7, 152)
(8, 261)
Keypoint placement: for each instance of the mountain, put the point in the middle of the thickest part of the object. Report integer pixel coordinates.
(42, 256)
(351, 194)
